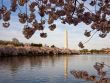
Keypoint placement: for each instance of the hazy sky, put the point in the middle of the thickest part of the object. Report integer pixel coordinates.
(75, 35)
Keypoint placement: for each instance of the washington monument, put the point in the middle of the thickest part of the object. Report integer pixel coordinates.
(65, 39)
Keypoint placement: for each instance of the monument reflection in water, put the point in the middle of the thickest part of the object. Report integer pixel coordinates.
(65, 66)
(49, 69)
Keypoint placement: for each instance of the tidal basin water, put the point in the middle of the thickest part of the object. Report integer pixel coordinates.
(49, 69)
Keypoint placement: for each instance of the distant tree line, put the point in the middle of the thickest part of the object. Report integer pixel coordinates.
(2, 42)
(53, 46)
(92, 51)
(36, 45)
(16, 42)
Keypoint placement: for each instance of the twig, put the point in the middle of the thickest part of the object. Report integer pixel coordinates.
(90, 38)
(19, 8)
(85, 6)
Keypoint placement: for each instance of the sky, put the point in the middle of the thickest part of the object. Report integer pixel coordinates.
(56, 37)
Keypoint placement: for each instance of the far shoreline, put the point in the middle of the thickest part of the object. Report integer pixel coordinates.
(10, 50)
